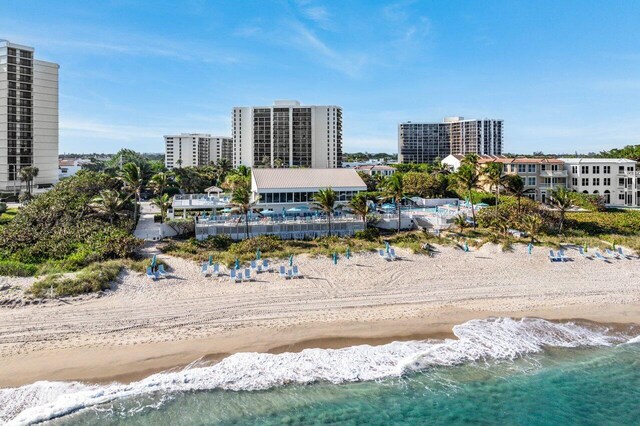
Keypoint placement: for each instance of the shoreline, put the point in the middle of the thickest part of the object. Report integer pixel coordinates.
(143, 327)
(126, 364)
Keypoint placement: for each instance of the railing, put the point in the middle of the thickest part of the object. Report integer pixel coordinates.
(553, 173)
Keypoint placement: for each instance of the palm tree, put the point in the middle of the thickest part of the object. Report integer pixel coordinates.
(163, 202)
(467, 178)
(532, 224)
(360, 206)
(393, 189)
(132, 175)
(27, 175)
(461, 221)
(159, 182)
(325, 200)
(470, 159)
(562, 199)
(515, 185)
(440, 168)
(493, 174)
(110, 204)
(241, 202)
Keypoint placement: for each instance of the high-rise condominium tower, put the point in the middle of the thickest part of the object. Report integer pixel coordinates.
(196, 149)
(287, 134)
(28, 117)
(425, 142)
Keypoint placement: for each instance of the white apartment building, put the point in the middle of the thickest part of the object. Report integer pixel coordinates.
(195, 149)
(287, 134)
(617, 180)
(426, 142)
(28, 117)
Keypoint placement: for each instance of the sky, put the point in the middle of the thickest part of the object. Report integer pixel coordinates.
(563, 75)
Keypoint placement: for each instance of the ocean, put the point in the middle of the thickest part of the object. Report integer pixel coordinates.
(498, 371)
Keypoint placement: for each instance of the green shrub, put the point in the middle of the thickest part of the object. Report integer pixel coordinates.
(217, 242)
(96, 277)
(13, 268)
(369, 234)
(3, 207)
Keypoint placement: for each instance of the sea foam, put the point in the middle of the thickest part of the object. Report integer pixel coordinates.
(494, 338)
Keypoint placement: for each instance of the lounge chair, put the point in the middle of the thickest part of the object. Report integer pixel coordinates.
(612, 253)
(216, 269)
(384, 255)
(247, 275)
(150, 274)
(621, 253)
(161, 271)
(392, 254)
(253, 265)
(295, 273)
(283, 272)
(553, 257)
(599, 256)
(205, 269)
(266, 266)
(235, 276)
(562, 256)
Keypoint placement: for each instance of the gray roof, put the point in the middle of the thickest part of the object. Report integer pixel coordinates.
(310, 179)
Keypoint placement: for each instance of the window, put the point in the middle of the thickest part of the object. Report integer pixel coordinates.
(596, 181)
(620, 181)
(584, 170)
(621, 197)
(574, 181)
(607, 181)
(531, 181)
(531, 168)
(621, 169)
(574, 169)
(596, 170)
(521, 168)
(585, 181)
(606, 169)
(630, 169)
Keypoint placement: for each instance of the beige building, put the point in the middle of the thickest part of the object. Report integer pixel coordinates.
(196, 149)
(28, 117)
(540, 175)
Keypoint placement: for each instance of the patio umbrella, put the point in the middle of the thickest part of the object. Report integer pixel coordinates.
(237, 263)
(154, 261)
(258, 254)
(210, 259)
(466, 247)
(530, 248)
(388, 207)
(335, 258)
(267, 212)
(386, 245)
(291, 260)
(348, 253)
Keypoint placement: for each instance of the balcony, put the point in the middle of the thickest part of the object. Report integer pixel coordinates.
(553, 173)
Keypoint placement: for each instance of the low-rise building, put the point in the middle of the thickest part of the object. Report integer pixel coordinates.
(376, 170)
(70, 166)
(540, 175)
(616, 180)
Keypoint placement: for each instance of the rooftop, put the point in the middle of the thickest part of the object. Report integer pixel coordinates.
(373, 167)
(483, 159)
(598, 160)
(312, 179)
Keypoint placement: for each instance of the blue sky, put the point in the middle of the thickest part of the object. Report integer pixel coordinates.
(564, 75)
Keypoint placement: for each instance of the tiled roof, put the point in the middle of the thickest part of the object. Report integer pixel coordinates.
(598, 160)
(483, 159)
(307, 178)
(374, 167)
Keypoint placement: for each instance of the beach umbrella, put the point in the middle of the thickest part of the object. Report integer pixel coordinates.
(335, 258)
(237, 263)
(291, 260)
(348, 253)
(614, 246)
(586, 247)
(154, 261)
(530, 248)
(386, 246)
(210, 259)
(258, 254)
(466, 247)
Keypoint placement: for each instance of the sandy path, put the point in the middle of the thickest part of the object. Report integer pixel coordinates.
(363, 290)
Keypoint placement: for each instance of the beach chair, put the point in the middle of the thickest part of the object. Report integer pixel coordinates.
(599, 256)
(205, 269)
(562, 256)
(216, 269)
(266, 266)
(235, 276)
(150, 274)
(392, 254)
(253, 265)
(247, 275)
(295, 273)
(612, 253)
(161, 271)
(621, 253)
(290, 273)
(283, 272)
(553, 257)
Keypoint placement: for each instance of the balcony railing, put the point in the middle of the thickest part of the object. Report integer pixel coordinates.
(553, 173)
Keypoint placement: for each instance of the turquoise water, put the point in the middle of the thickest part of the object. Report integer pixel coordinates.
(558, 387)
(497, 372)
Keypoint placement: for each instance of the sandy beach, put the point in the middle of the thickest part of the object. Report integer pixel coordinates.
(143, 327)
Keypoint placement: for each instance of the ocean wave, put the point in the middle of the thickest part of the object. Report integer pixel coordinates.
(494, 338)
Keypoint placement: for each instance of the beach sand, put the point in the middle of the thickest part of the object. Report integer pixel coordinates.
(144, 327)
